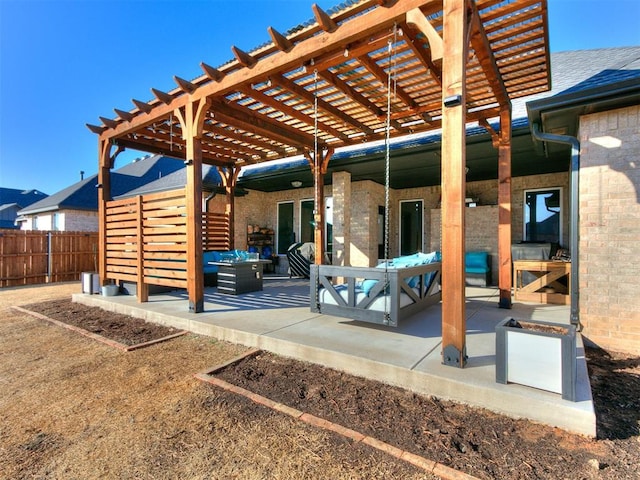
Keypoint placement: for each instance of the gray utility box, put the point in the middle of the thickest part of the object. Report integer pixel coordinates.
(239, 277)
(537, 354)
(90, 282)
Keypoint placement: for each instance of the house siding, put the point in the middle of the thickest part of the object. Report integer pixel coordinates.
(69, 221)
(610, 229)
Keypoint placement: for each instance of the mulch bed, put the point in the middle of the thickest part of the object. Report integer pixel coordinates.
(118, 330)
(475, 441)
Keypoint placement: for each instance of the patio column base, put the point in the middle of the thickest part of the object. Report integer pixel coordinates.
(505, 303)
(196, 307)
(453, 357)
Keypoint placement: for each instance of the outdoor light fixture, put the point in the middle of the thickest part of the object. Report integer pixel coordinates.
(98, 185)
(453, 101)
(296, 183)
(188, 162)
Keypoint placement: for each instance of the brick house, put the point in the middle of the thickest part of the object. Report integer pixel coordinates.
(75, 208)
(600, 90)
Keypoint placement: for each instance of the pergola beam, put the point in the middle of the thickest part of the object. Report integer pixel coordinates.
(292, 112)
(356, 96)
(280, 41)
(261, 125)
(252, 143)
(322, 104)
(301, 53)
(483, 52)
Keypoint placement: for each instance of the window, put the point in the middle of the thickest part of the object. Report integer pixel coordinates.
(307, 222)
(286, 235)
(543, 215)
(328, 225)
(57, 222)
(34, 223)
(411, 230)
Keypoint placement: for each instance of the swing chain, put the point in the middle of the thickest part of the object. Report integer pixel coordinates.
(390, 77)
(316, 166)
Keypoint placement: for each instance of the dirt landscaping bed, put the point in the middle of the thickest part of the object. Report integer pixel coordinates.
(125, 330)
(473, 440)
(170, 426)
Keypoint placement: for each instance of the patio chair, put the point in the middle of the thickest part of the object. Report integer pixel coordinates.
(300, 256)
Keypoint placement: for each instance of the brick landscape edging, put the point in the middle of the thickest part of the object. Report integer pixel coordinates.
(100, 338)
(435, 468)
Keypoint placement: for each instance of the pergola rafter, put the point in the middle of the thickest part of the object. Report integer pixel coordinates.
(452, 62)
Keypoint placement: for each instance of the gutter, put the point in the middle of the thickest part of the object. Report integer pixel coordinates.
(574, 214)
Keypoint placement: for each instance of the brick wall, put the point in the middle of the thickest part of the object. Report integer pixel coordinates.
(80, 221)
(481, 227)
(260, 208)
(341, 218)
(610, 228)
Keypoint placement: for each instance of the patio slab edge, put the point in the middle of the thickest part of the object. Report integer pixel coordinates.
(515, 402)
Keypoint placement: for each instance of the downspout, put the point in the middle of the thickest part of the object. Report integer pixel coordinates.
(574, 214)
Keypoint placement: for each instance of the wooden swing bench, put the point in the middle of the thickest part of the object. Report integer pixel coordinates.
(363, 295)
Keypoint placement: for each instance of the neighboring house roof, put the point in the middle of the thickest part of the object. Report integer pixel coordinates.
(23, 198)
(178, 179)
(572, 71)
(84, 196)
(12, 200)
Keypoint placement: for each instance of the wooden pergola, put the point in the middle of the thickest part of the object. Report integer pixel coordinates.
(323, 86)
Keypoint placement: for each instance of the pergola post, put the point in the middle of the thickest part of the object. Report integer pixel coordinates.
(453, 181)
(504, 212)
(229, 176)
(104, 195)
(192, 122)
(319, 165)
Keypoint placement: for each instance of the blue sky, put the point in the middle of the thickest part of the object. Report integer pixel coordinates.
(64, 63)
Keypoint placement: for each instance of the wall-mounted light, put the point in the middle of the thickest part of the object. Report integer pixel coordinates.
(188, 161)
(296, 183)
(98, 185)
(453, 101)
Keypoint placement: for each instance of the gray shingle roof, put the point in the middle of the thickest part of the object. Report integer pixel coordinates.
(177, 179)
(24, 198)
(84, 196)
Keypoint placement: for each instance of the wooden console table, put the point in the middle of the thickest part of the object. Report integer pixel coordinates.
(240, 277)
(545, 288)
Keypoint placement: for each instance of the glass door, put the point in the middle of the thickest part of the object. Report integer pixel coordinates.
(286, 235)
(411, 228)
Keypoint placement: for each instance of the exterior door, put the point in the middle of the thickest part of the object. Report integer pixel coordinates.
(411, 226)
(286, 235)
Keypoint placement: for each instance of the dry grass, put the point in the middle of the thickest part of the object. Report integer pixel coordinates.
(74, 408)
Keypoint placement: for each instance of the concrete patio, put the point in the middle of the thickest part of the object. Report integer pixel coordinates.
(278, 319)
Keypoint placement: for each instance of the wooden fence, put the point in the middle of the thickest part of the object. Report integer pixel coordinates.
(30, 257)
(147, 238)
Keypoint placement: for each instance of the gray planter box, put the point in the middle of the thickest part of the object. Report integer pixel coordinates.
(537, 354)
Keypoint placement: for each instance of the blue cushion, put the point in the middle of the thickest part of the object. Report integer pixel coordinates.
(207, 257)
(476, 262)
(367, 285)
(415, 260)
